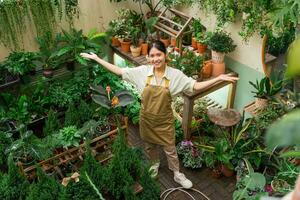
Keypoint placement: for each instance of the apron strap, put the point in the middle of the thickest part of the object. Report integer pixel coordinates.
(167, 83)
(149, 78)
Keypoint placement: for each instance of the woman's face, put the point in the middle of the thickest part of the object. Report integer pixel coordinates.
(157, 58)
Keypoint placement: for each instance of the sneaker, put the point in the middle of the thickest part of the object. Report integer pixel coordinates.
(154, 170)
(182, 180)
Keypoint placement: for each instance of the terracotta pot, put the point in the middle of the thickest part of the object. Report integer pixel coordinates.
(226, 171)
(177, 49)
(144, 49)
(217, 57)
(125, 46)
(135, 51)
(141, 41)
(201, 48)
(165, 41)
(218, 69)
(48, 73)
(194, 43)
(207, 69)
(261, 103)
(115, 42)
(173, 42)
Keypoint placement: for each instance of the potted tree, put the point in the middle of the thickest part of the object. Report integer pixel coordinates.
(264, 90)
(220, 43)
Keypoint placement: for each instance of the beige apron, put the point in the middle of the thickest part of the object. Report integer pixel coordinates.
(156, 115)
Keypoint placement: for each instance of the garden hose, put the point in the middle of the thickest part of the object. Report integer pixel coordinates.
(171, 190)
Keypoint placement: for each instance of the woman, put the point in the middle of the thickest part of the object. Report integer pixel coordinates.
(158, 84)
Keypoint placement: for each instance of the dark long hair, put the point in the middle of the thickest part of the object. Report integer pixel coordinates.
(158, 45)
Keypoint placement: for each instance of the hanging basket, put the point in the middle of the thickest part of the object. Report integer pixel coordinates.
(217, 57)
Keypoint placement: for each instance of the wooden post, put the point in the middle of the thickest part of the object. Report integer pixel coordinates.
(187, 116)
(231, 95)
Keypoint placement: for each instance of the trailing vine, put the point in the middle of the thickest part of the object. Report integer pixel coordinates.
(44, 14)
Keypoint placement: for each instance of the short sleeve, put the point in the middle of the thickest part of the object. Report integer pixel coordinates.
(135, 75)
(182, 83)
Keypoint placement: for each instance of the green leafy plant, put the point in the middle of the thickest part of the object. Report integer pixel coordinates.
(13, 185)
(20, 63)
(51, 123)
(86, 112)
(188, 62)
(221, 41)
(71, 44)
(69, 136)
(264, 89)
(197, 26)
(72, 117)
(28, 148)
(5, 142)
(46, 188)
(203, 37)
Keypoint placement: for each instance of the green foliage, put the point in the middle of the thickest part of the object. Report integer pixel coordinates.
(79, 190)
(46, 188)
(51, 124)
(293, 68)
(63, 93)
(289, 125)
(5, 142)
(189, 63)
(125, 169)
(179, 135)
(13, 186)
(197, 26)
(264, 89)
(72, 116)
(20, 63)
(203, 37)
(71, 44)
(221, 41)
(28, 148)
(69, 136)
(85, 112)
(250, 187)
(268, 115)
(151, 189)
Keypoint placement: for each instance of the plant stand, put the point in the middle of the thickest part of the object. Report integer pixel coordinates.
(74, 156)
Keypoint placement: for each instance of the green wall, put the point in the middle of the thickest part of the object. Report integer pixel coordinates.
(246, 74)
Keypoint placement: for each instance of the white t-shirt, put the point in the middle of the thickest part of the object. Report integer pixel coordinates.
(179, 82)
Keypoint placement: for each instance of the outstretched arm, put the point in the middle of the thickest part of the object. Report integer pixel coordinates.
(222, 77)
(113, 68)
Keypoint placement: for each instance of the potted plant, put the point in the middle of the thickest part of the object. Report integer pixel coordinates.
(198, 29)
(264, 90)
(202, 39)
(103, 126)
(44, 58)
(164, 38)
(69, 136)
(191, 156)
(135, 47)
(20, 63)
(220, 43)
(71, 44)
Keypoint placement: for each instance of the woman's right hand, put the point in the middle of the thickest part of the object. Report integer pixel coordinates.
(90, 55)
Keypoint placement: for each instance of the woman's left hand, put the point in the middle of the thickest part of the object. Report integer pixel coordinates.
(227, 77)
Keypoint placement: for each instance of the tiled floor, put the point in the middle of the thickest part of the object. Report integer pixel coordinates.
(215, 189)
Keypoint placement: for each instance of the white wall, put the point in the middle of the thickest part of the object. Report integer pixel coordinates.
(248, 54)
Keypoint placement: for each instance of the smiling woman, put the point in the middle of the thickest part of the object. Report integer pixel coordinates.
(158, 84)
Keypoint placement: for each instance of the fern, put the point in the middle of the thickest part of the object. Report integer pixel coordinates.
(51, 124)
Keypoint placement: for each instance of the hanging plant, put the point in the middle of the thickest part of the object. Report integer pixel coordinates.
(44, 14)
(11, 22)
